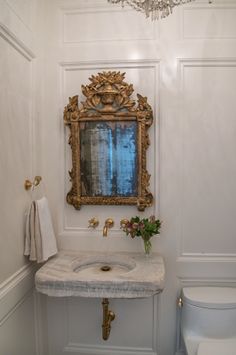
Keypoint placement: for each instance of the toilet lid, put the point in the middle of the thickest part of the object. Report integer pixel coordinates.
(217, 348)
(210, 297)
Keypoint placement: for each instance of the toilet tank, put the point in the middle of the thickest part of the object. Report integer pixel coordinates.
(209, 312)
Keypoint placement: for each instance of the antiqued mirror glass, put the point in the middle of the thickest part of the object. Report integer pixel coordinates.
(109, 139)
(108, 159)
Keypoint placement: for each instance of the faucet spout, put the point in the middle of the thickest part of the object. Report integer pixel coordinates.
(105, 231)
(109, 223)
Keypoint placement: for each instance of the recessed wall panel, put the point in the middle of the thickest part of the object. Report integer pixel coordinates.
(123, 331)
(15, 154)
(209, 164)
(209, 23)
(17, 335)
(143, 77)
(79, 326)
(79, 26)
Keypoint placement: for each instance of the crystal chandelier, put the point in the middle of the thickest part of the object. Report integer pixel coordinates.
(156, 8)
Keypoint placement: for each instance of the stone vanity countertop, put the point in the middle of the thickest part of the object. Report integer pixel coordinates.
(73, 273)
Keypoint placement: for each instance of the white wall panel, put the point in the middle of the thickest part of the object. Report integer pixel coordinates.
(210, 23)
(144, 77)
(209, 166)
(24, 339)
(194, 108)
(15, 152)
(16, 18)
(79, 26)
(17, 321)
(80, 330)
(24, 9)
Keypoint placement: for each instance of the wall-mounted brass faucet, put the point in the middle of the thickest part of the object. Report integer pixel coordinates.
(109, 223)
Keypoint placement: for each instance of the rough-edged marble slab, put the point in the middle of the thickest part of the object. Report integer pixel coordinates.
(73, 273)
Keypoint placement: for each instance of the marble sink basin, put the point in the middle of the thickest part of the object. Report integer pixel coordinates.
(105, 275)
(104, 266)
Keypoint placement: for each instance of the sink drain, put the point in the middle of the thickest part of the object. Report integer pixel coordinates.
(105, 268)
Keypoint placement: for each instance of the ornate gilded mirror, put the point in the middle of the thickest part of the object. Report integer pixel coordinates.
(109, 139)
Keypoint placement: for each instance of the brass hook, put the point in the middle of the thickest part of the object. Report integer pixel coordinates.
(28, 184)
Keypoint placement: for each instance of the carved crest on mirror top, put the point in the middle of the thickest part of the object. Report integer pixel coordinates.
(108, 104)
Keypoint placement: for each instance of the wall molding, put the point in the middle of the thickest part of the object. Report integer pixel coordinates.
(15, 290)
(103, 64)
(41, 324)
(206, 272)
(108, 10)
(11, 282)
(209, 62)
(215, 6)
(16, 31)
(207, 281)
(190, 258)
(15, 307)
(93, 349)
(196, 62)
(64, 229)
(207, 257)
(16, 43)
(82, 349)
(85, 5)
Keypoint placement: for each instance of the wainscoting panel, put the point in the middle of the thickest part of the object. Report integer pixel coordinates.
(79, 324)
(17, 321)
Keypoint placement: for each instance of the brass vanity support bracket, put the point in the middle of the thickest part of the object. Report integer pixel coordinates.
(108, 317)
(179, 302)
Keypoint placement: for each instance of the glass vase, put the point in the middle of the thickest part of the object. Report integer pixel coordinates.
(147, 246)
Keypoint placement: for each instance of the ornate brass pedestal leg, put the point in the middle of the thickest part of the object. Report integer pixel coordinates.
(108, 317)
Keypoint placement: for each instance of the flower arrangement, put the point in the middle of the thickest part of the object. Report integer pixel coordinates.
(144, 228)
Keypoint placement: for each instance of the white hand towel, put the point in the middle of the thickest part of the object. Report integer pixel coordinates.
(40, 241)
(48, 240)
(27, 233)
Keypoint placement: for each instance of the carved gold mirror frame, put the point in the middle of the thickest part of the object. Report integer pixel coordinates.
(108, 102)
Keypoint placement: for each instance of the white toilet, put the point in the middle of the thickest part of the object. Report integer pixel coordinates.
(208, 320)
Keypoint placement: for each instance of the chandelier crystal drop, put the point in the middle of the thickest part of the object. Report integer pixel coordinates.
(156, 8)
